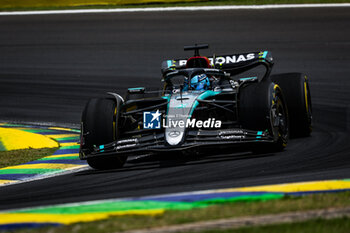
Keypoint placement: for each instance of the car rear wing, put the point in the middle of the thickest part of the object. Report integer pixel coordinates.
(230, 63)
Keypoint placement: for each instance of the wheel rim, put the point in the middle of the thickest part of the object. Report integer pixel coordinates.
(280, 121)
(309, 106)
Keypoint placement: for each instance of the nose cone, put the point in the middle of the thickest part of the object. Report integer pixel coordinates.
(179, 108)
(174, 136)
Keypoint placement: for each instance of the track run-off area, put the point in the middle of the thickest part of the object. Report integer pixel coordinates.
(50, 65)
(63, 160)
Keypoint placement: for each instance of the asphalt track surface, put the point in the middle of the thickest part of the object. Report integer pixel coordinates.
(51, 64)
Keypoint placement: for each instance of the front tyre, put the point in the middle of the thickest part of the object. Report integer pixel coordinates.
(100, 126)
(296, 90)
(262, 108)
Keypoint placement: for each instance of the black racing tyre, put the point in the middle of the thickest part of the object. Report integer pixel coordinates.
(99, 126)
(262, 108)
(296, 90)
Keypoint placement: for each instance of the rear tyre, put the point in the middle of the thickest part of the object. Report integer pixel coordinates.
(262, 108)
(296, 90)
(99, 126)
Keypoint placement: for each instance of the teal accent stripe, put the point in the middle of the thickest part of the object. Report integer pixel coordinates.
(166, 97)
(169, 63)
(265, 54)
(259, 133)
(202, 96)
(135, 88)
(207, 94)
(243, 79)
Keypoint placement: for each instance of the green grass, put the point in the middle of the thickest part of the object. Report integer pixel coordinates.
(15, 157)
(23, 5)
(338, 225)
(287, 204)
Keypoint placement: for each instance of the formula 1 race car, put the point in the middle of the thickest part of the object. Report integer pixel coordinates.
(206, 102)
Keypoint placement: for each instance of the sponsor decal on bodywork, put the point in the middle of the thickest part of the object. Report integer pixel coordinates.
(222, 61)
(192, 123)
(229, 59)
(151, 120)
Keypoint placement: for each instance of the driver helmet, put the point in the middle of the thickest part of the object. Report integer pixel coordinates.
(200, 82)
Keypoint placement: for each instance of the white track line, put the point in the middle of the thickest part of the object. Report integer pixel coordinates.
(50, 175)
(160, 9)
(46, 124)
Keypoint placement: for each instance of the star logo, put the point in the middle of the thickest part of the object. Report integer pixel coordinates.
(155, 115)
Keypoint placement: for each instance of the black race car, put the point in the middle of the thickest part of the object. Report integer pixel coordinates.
(212, 101)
